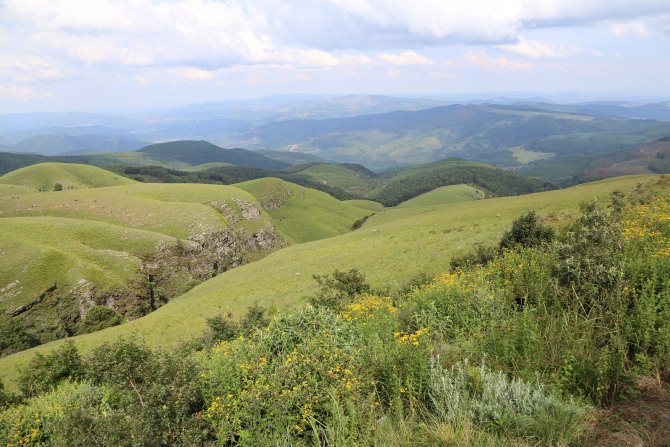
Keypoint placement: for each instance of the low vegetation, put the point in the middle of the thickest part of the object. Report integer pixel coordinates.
(516, 352)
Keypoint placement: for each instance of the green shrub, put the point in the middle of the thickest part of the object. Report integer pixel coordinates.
(479, 255)
(98, 318)
(13, 336)
(276, 382)
(339, 289)
(526, 232)
(45, 372)
(517, 408)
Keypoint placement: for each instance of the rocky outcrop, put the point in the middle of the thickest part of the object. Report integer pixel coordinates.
(26, 307)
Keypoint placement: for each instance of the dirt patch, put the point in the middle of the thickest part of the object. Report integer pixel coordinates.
(640, 422)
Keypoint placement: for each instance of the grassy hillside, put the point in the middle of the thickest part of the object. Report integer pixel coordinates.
(14, 190)
(444, 195)
(352, 178)
(366, 205)
(303, 214)
(428, 236)
(129, 247)
(44, 176)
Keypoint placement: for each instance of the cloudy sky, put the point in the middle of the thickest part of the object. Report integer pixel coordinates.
(143, 54)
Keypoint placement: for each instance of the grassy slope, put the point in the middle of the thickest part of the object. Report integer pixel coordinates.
(99, 234)
(426, 237)
(305, 214)
(40, 251)
(368, 205)
(14, 190)
(444, 195)
(44, 176)
(173, 209)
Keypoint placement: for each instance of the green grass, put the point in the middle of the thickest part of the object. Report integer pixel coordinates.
(178, 210)
(305, 214)
(99, 237)
(392, 246)
(40, 251)
(15, 190)
(366, 205)
(44, 176)
(444, 195)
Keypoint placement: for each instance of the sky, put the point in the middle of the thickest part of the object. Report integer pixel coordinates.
(101, 55)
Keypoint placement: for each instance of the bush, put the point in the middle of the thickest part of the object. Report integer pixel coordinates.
(6, 398)
(517, 408)
(526, 232)
(480, 255)
(13, 336)
(339, 289)
(98, 318)
(45, 372)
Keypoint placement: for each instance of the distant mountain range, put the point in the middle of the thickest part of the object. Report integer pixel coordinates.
(564, 143)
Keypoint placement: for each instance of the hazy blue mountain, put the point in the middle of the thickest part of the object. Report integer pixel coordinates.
(73, 144)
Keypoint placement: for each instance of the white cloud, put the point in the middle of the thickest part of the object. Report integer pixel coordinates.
(535, 49)
(404, 58)
(629, 29)
(482, 60)
(301, 57)
(194, 74)
(201, 41)
(29, 68)
(22, 93)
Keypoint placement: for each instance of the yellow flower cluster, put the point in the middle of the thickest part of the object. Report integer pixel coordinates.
(447, 279)
(367, 307)
(650, 224)
(412, 338)
(25, 436)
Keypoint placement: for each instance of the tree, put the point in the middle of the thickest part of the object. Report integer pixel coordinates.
(58, 187)
(527, 231)
(339, 289)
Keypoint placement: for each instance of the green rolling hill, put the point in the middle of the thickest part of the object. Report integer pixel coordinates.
(44, 176)
(429, 236)
(444, 195)
(303, 214)
(354, 179)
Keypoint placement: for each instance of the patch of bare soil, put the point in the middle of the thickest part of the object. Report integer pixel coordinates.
(640, 422)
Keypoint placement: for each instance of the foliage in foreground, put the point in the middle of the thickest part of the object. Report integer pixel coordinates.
(508, 353)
